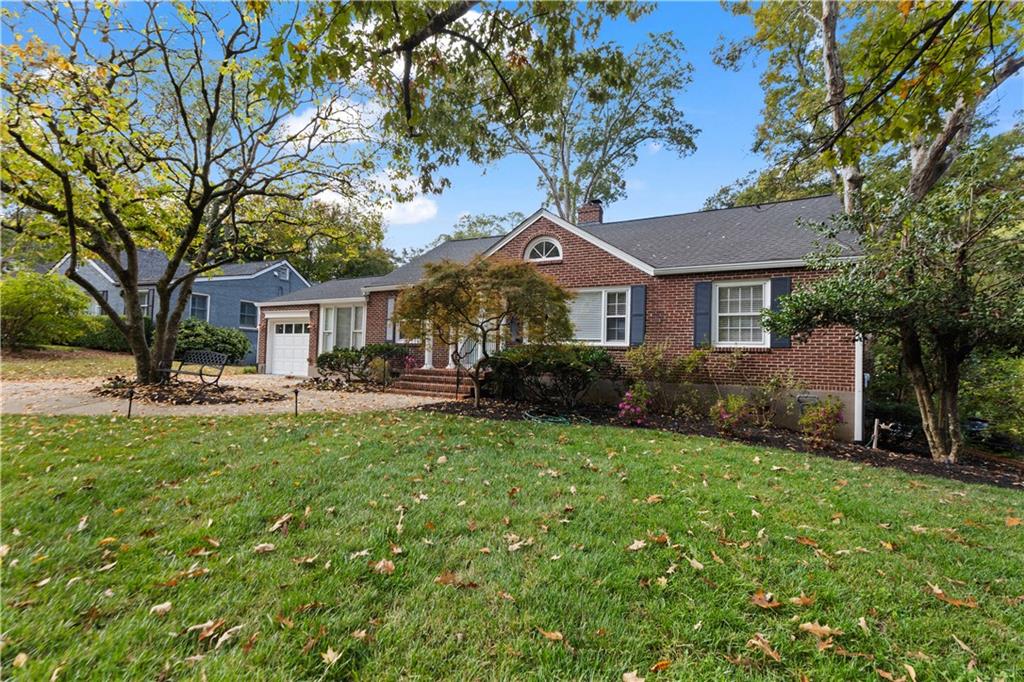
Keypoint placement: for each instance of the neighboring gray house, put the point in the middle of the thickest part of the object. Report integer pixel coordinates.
(227, 298)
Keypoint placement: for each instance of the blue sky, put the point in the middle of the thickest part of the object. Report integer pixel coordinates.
(724, 105)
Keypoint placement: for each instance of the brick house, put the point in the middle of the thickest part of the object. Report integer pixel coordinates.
(687, 280)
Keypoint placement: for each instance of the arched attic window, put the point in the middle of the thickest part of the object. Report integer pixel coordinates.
(544, 249)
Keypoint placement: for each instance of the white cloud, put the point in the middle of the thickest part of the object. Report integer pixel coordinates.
(420, 209)
(339, 121)
(654, 147)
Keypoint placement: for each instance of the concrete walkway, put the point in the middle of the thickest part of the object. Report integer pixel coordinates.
(72, 397)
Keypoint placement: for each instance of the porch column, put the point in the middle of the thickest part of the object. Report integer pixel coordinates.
(452, 347)
(428, 350)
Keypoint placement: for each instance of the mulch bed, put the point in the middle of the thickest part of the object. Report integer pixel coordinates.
(185, 393)
(973, 468)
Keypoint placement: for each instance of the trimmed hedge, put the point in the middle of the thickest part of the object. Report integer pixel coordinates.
(366, 364)
(99, 333)
(199, 335)
(546, 373)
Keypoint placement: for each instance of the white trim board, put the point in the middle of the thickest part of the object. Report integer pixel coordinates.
(213, 278)
(314, 301)
(569, 227)
(277, 314)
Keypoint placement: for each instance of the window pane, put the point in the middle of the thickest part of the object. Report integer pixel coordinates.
(343, 328)
(279, 329)
(357, 318)
(544, 249)
(585, 314)
(247, 314)
(616, 303)
(616, 329)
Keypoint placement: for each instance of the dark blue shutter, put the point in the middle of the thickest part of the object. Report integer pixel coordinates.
(701, 314)
(781, 286)
(637, 314)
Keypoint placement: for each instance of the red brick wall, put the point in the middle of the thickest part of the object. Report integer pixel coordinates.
(376, 328)
(825, 361)
(314, 330)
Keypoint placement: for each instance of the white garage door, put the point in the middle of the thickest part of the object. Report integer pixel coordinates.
(289, 347)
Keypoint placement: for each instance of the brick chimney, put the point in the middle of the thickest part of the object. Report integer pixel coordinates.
(590, 212)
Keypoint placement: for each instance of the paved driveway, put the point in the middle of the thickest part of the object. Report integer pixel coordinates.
(71, 396)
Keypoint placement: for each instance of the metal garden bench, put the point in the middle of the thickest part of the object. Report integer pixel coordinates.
(208, 365)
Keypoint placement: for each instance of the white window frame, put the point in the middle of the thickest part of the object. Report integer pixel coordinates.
(207, 297)
(327, 331)
(604, 317)
(147, 302)
(242, 326)
(548, 259)
(767, 303)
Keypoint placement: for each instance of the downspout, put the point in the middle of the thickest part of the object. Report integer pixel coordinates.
(858, 389)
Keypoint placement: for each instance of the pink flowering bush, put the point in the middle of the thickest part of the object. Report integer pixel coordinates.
(731, 413)
(635, 405)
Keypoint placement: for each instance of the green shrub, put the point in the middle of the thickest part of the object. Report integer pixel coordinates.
(731, 413)
(199, 335)
(100, 333)
(367, 364)
(820, 421)
(650, 364)
(546, 373)
(39, 309)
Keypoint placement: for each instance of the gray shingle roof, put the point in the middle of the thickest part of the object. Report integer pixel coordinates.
(745, 234)
(335, 288)
(152, 263)
(243, 269)
(458, 250)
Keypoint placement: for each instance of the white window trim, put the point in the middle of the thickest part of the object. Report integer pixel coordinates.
(766, 339)
(240, 325)
(326, 331)
(207, 297)
(604, 317)
(538, 240)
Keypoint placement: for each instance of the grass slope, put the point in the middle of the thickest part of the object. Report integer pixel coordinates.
(163, 497)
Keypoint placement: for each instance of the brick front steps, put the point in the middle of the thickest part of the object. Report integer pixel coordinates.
(437, 382)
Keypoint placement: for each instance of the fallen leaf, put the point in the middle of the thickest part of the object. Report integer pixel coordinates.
(304, 560)
(697, 566)
(654, 499)
(264, 548)
(636, 546)
(660, 665)
(330, 656)
(279, 523)
(802, 600)
(1012, 521)
(360, 553)
(44, 582)
(20, 660)
(554, 635)
(863, 625)
(911, 672)
(803, 540)
(83, 523)
(938, 593)
(632, 677)
(161, 609)
(820, 631)
(227, 636)
(661, 539)
(766, 600)
(383, 567)
(758, 641)
(361, 635)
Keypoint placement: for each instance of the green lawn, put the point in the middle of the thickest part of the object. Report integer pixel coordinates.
(106, 519)
(62, 362)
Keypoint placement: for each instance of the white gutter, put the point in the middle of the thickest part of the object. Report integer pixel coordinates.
(752, 265)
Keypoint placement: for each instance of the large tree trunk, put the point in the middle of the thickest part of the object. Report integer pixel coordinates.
(938, 403)
(835, 94)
